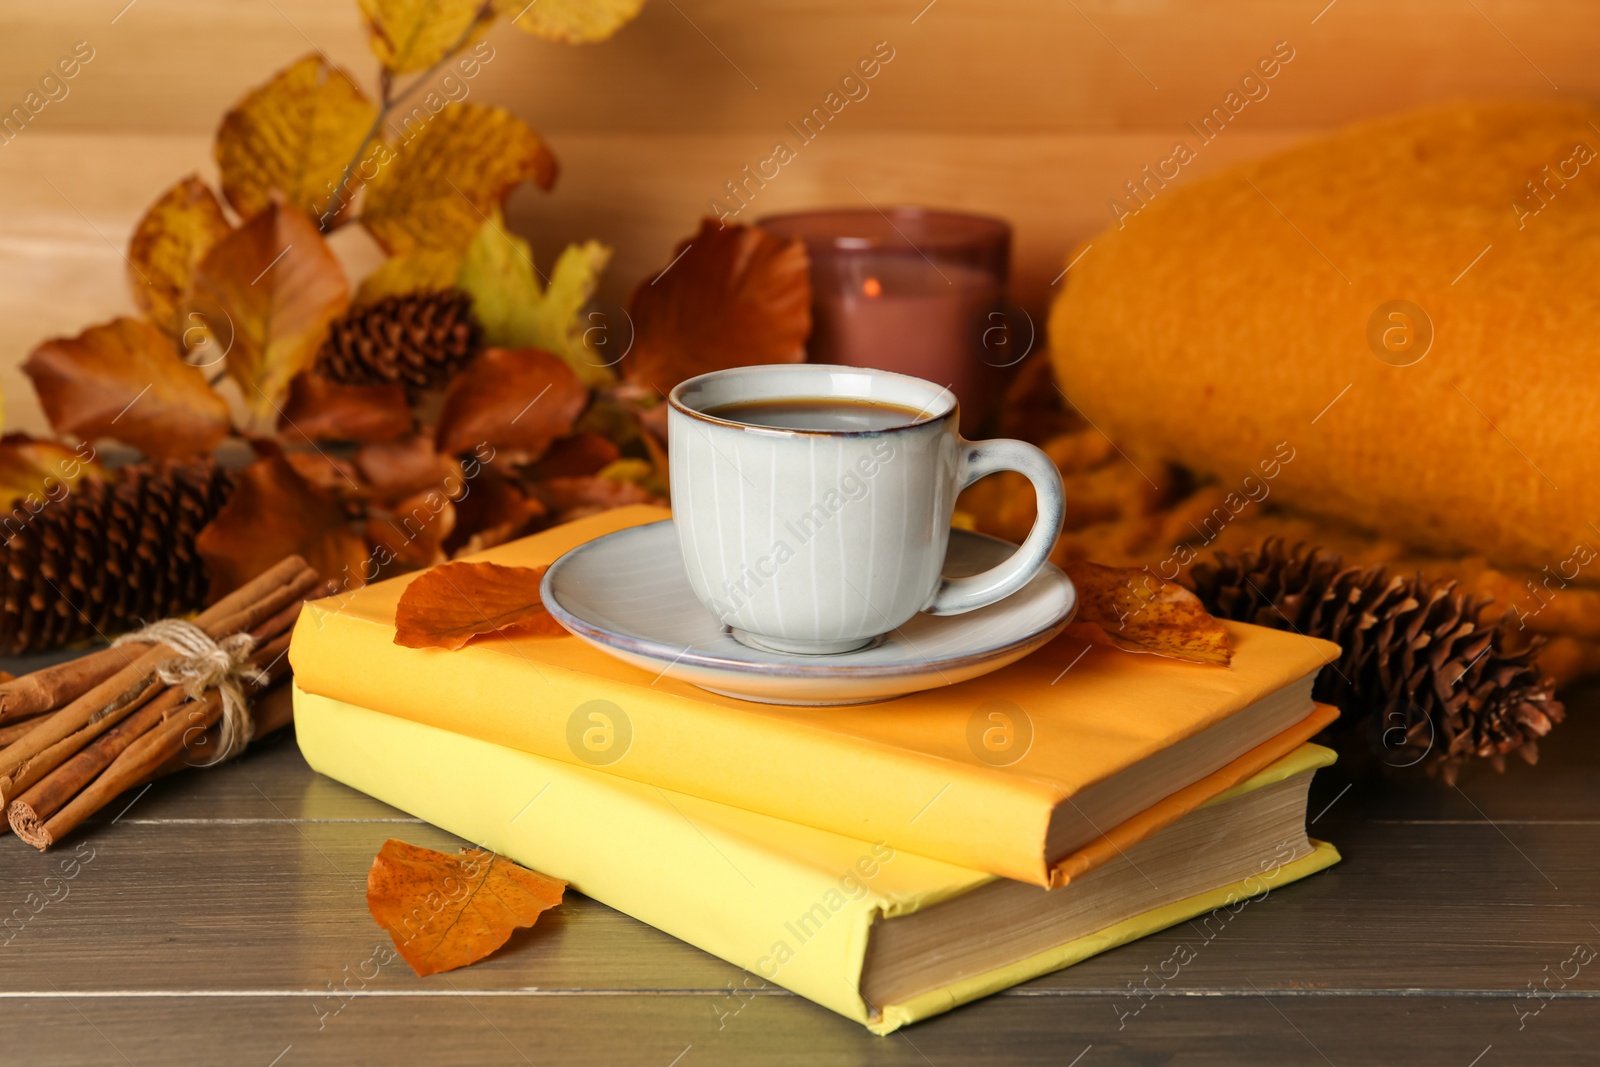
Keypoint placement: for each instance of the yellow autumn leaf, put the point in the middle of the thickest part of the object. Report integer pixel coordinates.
(420, 270)
(42, 470)
(440, 185)
(279, 286)
(516, 310)
(167, 245)
(643, 473)
(294, 135)
(571, 21)
(411, 35)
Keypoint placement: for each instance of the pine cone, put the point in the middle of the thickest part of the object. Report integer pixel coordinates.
(1419, 670)
(107, 557)
(418, 339)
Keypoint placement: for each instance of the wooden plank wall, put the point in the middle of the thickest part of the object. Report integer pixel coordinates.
(1037, 110)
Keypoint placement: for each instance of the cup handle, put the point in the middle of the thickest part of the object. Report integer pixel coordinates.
(978, 458)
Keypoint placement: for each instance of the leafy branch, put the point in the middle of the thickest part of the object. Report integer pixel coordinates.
(243, 286)
(388, 100)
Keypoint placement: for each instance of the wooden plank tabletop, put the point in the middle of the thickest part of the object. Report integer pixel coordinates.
(220, 917)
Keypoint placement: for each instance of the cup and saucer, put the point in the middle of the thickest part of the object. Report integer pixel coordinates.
(810, 559)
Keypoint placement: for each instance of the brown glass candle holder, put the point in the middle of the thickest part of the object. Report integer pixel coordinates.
(908, 289)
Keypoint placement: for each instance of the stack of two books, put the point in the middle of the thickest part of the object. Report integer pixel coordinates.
(887, 861)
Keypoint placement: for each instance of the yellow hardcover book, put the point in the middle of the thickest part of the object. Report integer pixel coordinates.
(875, 933)
(1110, 738)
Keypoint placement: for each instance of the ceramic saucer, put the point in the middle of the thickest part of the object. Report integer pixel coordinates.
(627, 594)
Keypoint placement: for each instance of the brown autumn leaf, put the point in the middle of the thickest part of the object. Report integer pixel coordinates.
(444, 911)
(33, 472)
(168, 244)
(519, 399)
(656, 448)
(1140, 612)
(275, 512)
(414, 532)
(408, 465)
(450, 605)
(438, 188)
(125, 379)
(571, 21)
(492, 511)
(575, 498)
(293, 136)
(731, 296)
(318, 409)
(576, 456)
(335, 476)
(280, 286)
(653, 418)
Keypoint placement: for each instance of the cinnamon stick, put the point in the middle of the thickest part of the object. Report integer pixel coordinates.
(286, 598)
(11, 731)
(203, 728)
(48, 791)
(47, 796)
(136, 757)
(34, 768)
(242, 609)
(40, 691)
(269, 713)
(140, 760)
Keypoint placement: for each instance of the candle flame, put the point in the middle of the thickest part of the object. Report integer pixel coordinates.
(872, 288)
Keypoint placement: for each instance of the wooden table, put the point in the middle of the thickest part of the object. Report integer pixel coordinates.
(220, 917)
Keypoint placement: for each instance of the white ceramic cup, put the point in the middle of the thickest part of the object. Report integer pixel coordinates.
(820, 541)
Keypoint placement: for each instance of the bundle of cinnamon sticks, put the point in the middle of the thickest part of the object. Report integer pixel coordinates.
(78, 734)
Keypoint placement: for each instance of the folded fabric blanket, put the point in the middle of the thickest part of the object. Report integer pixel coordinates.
(1407, 306)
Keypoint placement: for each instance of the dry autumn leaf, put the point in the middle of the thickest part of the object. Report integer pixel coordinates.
(124, 379)
(1139, 612)
(428, 270)
(493, 510)
(659, 464)
(445, 912)
(406, 466)
(280, 286)
(412, 35)
(41, 470)
(731, 296)
(575, 457)
(275, 512)
(653, 419)
(519, 399)
(414, 533)
(571, 21)
(332, 475)
(168, 244)
(294, 136)
(438, 188)
(614, 413)
(321, 410)
(516, 310)
(575, 498)
(450, 605)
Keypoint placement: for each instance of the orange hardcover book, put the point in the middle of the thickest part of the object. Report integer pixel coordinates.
(1120, 745)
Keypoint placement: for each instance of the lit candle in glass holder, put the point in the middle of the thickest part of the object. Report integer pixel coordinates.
(907, 290)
